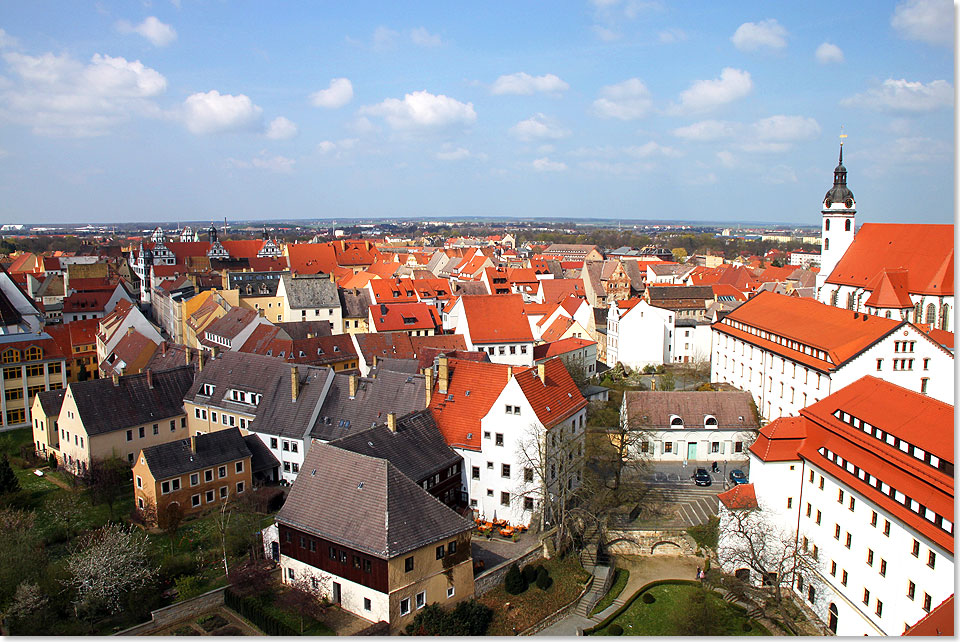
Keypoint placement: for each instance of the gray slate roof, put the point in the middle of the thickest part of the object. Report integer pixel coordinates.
(51, 401)
(692, 407)
(305, 329)
(104, 407)
(279, 414)
(417, 449)
(268, 281)
(355, 302)
(680, 292)
(177, 458)
(311, 291)
(365, 503)
(389, 392)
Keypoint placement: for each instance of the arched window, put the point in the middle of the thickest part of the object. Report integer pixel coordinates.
(826, 242)
(917, 312)
(833, 617)
(709, 421)
(33, 353)
(887, 314)
(11, 356)
(931, 314)
(846, 225)
(833, 297)
(945, 320)
(676, 421)
(827, 225)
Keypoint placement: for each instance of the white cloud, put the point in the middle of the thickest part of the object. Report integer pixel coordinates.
(751, 36)
(449, 153)
(547, 165)
(280, 129)
(903, 95)
(338, 94)
(779, 174)
(828, 52)
(916, 149)
(60, 96)
(605, 34)
(384, 38)
(212, 112)
(6, 40)
(524, 84)
(616, 168)
(763, 147)
(423, 38)
(651, 149)
(278, 164)
(422, 110)
(627, 100)
(707, 130)
(929, 21)
(727, 159)
(538, 127)
(669, 36)
(786, 128)
(158, 33)
(704, 95)
(330, 147)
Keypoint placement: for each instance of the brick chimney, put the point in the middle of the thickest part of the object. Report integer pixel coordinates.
(163, 348)
(129, 331)
(294, 383)
(443, 375)
(193, 444)
(392, 421)
(354, 380)
(149, 379)
(509, 373)
(542, 372)
(116, 379)
(428, 375)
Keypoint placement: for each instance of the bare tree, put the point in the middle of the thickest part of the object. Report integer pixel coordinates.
(305, 596)
(171, 518)
(251, 577)
(751, 540)
(222, 522)
(107, 565)
(105, 479)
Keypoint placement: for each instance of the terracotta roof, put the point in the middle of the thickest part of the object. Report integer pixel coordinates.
(86, 301)
(365, 503)
(556, 329)
(556, 290)
(246, 249)
(889, 290)
(655, 409)
(164, 270)
(780, 439)
(496, 318)
(727, 291)
(232, 323)
(439, 341)
(384, 344)
(353, 253)
(557, 348)
(358, 280)
(401, 317)
(842, 334)
(942, 337)
(133, 350)
(384, 269)
(741, 496)
(556, 397)
(311, 258)
(389, 290)
(458, 414)
(939, 621)
(925, 251)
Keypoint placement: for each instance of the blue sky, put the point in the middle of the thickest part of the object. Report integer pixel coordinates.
(196, 110)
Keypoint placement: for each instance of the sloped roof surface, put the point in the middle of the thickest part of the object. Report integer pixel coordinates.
(177, 457)
(925, 251)
(496, 318)
(655, 408)
(889, 290)
(555, 398)
(557, 348)
(938, 622)
(740, 497)
(310, 292)
(556, 290)
(390, 391)
(365, 503)
(780, 439)
(458, 414)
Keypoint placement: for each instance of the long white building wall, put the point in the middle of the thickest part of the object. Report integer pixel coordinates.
(351, 593)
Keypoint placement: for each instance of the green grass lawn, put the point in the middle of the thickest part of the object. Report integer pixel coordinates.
(619, 583)
(531, 606)
(671, 603)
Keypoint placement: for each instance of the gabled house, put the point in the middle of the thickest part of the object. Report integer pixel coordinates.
(372, 540)
(311, 298)
(114, 327)
(495, 324)
(415, 319)
(232, 330)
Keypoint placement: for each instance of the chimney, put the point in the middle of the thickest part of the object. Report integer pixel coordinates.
(333, 279)
(374, 361)
(116, 379)
(150, 379)
(428, 374)
(186, 352)
(163, 348)
(193, 444)
(294, 383)
(509, 373)
(129, 331)
(200, 359)
(260, 312)
(392, 421)
(443, 374)
(354, 379)
(542, 372)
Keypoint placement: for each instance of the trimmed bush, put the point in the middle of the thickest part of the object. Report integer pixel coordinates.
(253, 611)
(514, 583)
(544, 581)
(648, 598)
(468, 618)
(188, 586)
(530, 573)
(615, 629)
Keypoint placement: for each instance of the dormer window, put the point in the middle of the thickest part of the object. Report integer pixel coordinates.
(709, 421)
(207, 390)
(676, 421)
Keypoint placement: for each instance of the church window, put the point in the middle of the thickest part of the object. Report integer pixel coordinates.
(945, 321)
(827, 223)
(826, 242)
(931, 314)
(846, 224)
(833, 297)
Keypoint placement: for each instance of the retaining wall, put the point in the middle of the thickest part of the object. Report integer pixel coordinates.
(168, 615)
(489, 579)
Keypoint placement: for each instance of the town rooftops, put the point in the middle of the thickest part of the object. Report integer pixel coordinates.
(496, 319)
(556, 348)
(365, 503)
(104, 406)
(402, 317)
(232, 323)
(472, 389)
(658, 409)
(310, 291)
(196, 453)
(342, 414)
(780, 439)
(740, 497)
(555, 396)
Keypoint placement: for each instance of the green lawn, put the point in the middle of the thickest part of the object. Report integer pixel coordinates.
(672, 602)
(619, 583)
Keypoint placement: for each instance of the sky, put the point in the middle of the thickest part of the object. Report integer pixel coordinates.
(195, 110)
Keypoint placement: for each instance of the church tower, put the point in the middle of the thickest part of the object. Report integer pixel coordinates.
(839, 222)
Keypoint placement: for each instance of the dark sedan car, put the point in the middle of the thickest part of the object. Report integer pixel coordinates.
(737, 476)
(702, 477)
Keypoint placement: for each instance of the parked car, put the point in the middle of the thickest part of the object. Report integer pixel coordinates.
(702, 477)
(737, 476)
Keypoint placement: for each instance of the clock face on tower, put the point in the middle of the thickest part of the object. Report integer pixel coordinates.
(849, 203)
(828, 203)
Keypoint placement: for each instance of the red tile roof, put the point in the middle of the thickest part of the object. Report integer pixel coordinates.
(556, 290)
(942, 337)
(496, 318)
(554, 398)
(164, 270)
(556, 329)
(741, 496)
(458, 414)
(268, 264)
(86, 301)
(725, 289)
(939, 621)
(243, 249)
(184, 249)
(393, 290)
(355, 253)
(780, 439)
(384, 269)
(842, 334)
(404, 317)
(889, 290)
(557, 348)
(311, 258)
(925, 251)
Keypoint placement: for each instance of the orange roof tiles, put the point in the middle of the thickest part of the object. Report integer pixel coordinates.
(496, 318)
(384, 269)
(556, 290)
(556, 329)
(86, 301)
(243, 249)
(393, 290)
(925, 251)
(889, 290)
(402, 317)
(311, 258)
(939, 621)
(458, 414)
(780, 439)
(835, 331)
(554, 398)
(557, 348)
(741, 496)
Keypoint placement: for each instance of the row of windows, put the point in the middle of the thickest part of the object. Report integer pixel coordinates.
(209, 496)
(142, 430)
(172, 485)
(896, 442)
(12, 355)
(33, 370)
(503, 349)
(221, 417)
(774, 338)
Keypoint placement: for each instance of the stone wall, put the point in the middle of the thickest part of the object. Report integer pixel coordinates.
(656, 542)
(168, 615)
(491, 578)
(560, 613)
